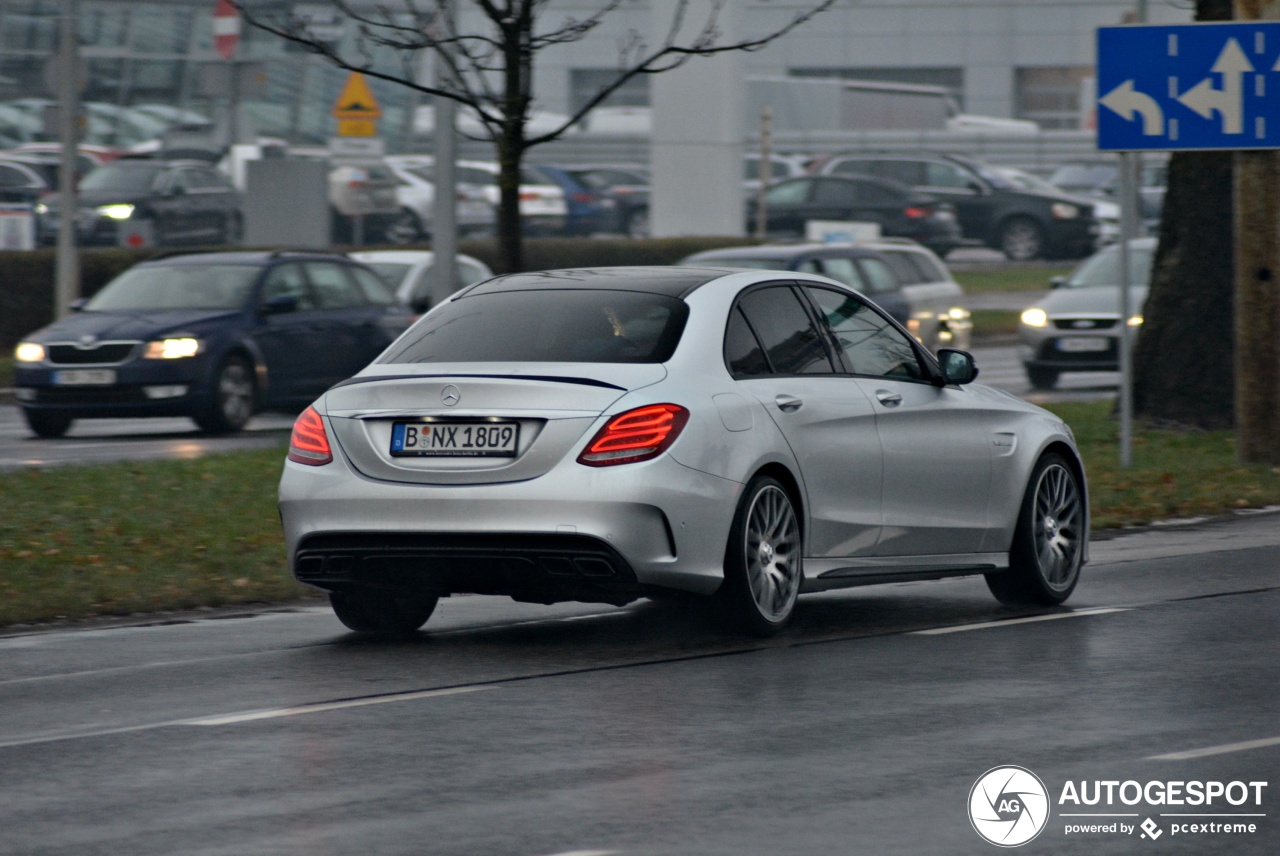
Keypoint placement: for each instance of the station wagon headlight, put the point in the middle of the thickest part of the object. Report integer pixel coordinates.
(29, 352)
(1064, 211)
(116, 212)
(41, 209)
(1035, 317)
(1135, 321)
(172, 349)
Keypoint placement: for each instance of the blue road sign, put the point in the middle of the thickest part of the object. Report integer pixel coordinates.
(1189, 86)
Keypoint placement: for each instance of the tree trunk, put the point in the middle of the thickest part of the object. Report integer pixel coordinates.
(510, 234)
(1183, 363)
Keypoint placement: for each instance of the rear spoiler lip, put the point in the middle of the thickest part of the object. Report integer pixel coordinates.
(581, 381)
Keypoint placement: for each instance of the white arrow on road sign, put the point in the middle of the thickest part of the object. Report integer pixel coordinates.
(1228, 101)
(1126, 101)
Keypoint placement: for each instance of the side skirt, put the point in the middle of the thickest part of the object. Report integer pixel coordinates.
(826, 574)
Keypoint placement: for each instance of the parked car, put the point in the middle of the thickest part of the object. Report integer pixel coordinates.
(589, 211)
(1101, 181)
(1077, 327)
(416, 193)
(904, 279)
(608, 434)
(184, 202)
(212, 336)
(899, 211)
(627, 185)
(365, 204)
(1021, 223)
(542, 205)
(412, 273)
(781, 167)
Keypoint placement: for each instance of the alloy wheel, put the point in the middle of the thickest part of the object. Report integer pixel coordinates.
(773, 553)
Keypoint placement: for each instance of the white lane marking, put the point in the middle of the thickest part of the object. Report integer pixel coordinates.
(321, 707)
(234, 718)
(939, 631)
(1224, 749)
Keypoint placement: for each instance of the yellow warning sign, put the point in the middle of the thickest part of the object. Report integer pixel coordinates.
(356, 100)
(357, 128)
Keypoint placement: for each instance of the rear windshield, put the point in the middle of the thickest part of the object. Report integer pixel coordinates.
(552, 326)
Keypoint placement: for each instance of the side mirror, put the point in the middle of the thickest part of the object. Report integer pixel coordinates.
(1057, 282)
(78, 305)
(280, 304)
(957, 366)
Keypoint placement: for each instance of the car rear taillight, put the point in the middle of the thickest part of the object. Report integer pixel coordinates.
(584, 198)
(636, 435)
(918, 212)
(309, 444)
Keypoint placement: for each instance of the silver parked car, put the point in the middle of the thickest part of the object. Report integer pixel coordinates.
(1077, 327)
(609, 434)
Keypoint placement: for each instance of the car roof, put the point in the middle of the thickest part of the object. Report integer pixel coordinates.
(245, 257)
(779, 251)
(670, 281)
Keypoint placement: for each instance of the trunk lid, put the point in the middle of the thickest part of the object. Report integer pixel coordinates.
(552, 405)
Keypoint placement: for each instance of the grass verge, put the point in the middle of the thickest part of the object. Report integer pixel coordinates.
(79, 542)
(125, 538)
(1008, 278)
(995, 322)
(1175, 473)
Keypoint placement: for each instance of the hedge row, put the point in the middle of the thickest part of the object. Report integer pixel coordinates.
(27, 278)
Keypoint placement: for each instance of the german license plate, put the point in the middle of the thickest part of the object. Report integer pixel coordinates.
(84, 377)
(1083, 344)
(455, 439)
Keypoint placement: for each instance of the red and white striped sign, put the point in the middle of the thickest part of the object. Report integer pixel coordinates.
(226, 28)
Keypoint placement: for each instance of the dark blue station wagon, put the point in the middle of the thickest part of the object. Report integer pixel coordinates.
(213, 336)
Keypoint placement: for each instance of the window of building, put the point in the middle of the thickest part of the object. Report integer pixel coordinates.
(1050, 95)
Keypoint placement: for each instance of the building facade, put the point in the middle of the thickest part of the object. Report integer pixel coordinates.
(146, 61)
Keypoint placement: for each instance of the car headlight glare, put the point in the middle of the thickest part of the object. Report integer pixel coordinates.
(116, 212)
(957, 313)
(1064, 211)
(1035, 317)
(41, 209)
(172, 349)
(1135, 321)
(29, 352)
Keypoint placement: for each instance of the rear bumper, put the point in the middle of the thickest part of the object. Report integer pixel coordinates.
(656, 524)
(533, 568)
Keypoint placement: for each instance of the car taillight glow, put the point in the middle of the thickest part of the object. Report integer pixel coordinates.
(916, 212)
(636, 435)
(309, 444)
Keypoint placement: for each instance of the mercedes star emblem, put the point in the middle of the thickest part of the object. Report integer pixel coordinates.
(450, 395)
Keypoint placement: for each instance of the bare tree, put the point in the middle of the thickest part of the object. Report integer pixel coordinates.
(491, 72)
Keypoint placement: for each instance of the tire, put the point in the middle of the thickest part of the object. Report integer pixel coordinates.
(763, 560)
(638, 223)
(1048, 543)
(1042, 378)
(48, 425)
(234, 397)
(1021, 239)
(404, 229)
(386, 613)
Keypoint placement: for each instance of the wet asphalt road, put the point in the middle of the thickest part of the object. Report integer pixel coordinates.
(527, 730)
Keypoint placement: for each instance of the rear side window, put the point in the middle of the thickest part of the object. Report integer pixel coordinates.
(788, 334)
(907, 273)
(878, 275)
(742, 352)
(332, 288)
(547, 326)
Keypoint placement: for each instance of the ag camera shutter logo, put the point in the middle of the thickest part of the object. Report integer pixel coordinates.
(1009, 806)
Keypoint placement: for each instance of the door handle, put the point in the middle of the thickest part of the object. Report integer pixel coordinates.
(887, 398)
(788, 403)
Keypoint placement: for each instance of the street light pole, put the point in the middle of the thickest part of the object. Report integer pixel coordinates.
(67, 276)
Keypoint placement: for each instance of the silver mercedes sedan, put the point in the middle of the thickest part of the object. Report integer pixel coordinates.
(604, 435)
